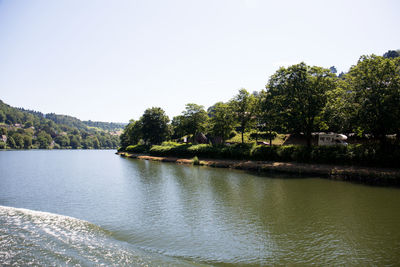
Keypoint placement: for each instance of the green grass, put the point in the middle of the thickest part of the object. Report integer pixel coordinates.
(278, 140)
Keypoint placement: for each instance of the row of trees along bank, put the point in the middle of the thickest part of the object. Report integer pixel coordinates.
(299, 100)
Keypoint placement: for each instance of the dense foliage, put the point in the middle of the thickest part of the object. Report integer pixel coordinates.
(297, 100)
(25, 129)
(298, 94)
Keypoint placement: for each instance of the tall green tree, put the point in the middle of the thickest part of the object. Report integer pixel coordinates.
(267, 114)
(222, 120)
(375, 81)
(154, 126)
(44, 140)
(19, 140)
(27, 141)
(340, 110)
(194, 119)
(62, 140)
(243, 106)
(299, 93)
(131, 134)
(74, 141)
(178, 126)
(11, 142)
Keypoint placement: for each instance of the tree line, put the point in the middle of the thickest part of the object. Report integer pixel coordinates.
(26, 129)
(299, 99)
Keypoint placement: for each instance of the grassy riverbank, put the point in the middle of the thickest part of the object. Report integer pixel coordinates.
(368, 155)
(366, 175)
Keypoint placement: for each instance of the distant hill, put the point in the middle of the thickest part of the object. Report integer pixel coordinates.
(25, 129)
(109, 126)
(74, 122)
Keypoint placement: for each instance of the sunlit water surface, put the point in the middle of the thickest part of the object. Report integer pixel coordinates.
(94, 207)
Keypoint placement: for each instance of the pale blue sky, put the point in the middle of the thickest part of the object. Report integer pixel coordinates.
(110, 60)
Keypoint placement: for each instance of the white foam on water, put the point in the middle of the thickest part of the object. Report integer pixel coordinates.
(30, 237)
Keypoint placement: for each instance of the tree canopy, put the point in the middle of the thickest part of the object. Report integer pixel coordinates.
(299, 100)
(375, 82)
(243, 106)
(154, 125)
(299, 95)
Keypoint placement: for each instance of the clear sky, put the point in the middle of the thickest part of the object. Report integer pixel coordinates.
(110, 60)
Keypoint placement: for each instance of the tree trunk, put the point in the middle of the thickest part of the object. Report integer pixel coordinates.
(242, 137)
(309, 131)
(308, 136)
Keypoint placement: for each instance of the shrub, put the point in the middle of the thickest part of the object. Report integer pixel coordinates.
(196, 161)
(236, 151)
(267, 153)
(203, 150)
(170, 143)
(137, 149)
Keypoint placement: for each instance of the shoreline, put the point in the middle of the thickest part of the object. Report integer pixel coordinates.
(364, 175)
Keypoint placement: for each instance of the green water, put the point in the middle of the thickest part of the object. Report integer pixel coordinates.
(94, 207)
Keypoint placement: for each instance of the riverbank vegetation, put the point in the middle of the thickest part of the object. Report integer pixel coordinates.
(26, 129)
(362, 155)
(298, 102)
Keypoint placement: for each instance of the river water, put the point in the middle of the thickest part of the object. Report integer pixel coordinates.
(83, 208)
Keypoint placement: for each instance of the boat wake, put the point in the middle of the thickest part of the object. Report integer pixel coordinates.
(30, 237)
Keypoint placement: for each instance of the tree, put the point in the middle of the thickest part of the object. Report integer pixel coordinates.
(222, 121)
(3, 131)
(96, 143)
(2, 116)
(392, 54)
(299, 93)
(131, 134)
(339, 111)
(62, 140)
(11, 118)
(194, 119)
(19, 140)
(178, 126)
(154, 125)
(243, 106)
(27, 141)
(267, 114)
(44, 140)
(11, 142)
(74, 141)
(375, 81)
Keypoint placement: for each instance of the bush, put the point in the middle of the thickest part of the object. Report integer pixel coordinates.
(170, 143)
(203, 150)
(236, 151)
(137, 149)
(266, 153)
(196, 161)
